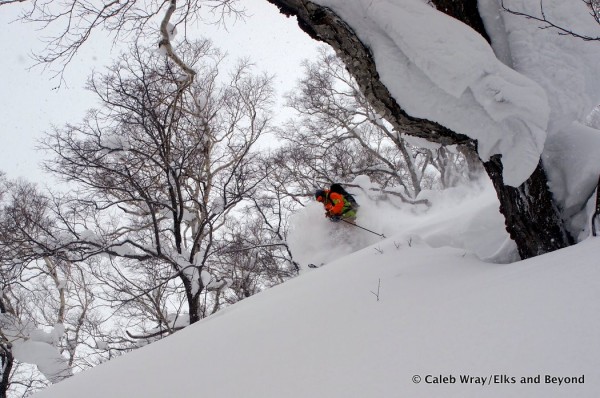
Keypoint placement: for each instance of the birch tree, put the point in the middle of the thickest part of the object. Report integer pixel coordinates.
(34, 298)
(161, 165)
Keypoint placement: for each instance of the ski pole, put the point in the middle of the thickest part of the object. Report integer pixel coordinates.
(358, 226)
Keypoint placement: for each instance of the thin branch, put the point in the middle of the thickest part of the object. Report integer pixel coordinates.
(158, 333)
(547, 23)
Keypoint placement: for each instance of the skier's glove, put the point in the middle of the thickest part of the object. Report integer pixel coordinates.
(335, 218)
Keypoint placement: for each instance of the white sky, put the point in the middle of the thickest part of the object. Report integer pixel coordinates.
(29, 104)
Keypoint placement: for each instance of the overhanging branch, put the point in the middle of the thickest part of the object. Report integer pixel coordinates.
(322, 24)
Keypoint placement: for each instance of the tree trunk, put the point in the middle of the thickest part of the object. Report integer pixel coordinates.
(6, 361)
(474, 164)
(531, 216)
(192, 298)
(596, 214)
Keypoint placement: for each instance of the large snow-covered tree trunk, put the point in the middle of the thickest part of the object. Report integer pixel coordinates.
(531, 215)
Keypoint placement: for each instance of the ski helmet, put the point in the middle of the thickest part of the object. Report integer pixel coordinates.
(319, 193)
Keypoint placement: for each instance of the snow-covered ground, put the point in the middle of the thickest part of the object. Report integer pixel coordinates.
(413, 315)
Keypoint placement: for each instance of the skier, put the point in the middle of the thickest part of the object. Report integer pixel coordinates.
(339, 204)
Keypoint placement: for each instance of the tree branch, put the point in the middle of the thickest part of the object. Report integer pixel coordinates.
(547, 23)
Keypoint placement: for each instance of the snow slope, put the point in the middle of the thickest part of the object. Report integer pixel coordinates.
(441, 313)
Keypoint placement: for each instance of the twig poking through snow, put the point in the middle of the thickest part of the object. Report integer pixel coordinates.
(378, 289)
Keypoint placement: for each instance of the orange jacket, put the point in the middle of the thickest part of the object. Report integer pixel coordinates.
(334, 203)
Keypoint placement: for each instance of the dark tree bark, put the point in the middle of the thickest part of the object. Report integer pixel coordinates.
(530, 215)
(465, 11)
(532, 219)
(596, 214)
(6, 360)
(193, 299)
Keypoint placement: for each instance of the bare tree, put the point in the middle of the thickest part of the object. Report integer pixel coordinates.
(159, 173)
(6, 356)
(74, 22)
(253, 254)
(252, 259)
(334, 113)
(33, 286)
(273, 205)
(163, 163)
